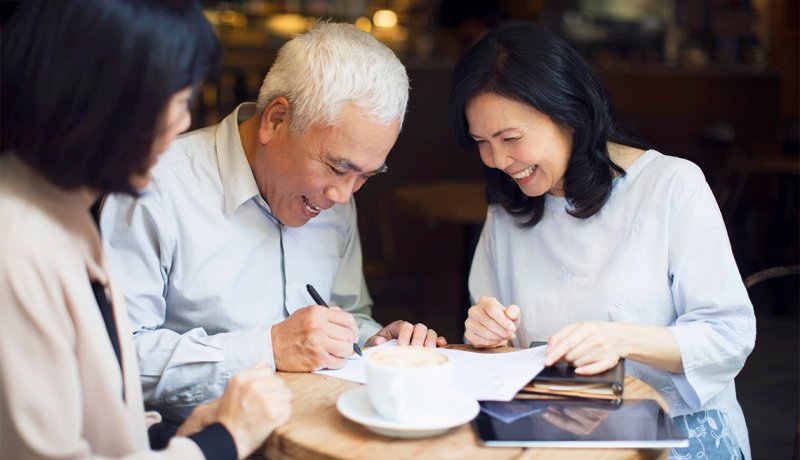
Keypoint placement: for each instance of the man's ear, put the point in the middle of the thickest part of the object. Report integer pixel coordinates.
(274, 118)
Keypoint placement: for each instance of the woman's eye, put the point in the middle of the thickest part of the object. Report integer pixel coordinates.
(510, 139)
(336, 171)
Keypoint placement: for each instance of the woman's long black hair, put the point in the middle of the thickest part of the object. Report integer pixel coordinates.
(523, 62)
(83, 84)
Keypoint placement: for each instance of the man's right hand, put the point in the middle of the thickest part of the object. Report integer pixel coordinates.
(313, 338)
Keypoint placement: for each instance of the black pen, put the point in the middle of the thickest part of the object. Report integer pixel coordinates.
(319, 301)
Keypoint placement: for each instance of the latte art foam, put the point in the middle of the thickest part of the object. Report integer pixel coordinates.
(408, 357)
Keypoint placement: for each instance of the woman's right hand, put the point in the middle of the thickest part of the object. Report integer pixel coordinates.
(255, 402)
(489, 324)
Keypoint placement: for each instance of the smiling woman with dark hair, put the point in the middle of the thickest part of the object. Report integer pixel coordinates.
(595, 244)
(91, 93)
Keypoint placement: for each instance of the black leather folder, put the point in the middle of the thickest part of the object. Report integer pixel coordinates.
(561, 380)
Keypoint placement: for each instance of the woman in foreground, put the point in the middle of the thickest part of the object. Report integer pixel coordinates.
(91, 93)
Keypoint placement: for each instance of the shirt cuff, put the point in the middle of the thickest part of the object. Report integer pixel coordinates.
(702, 377)
(216, 442)
(367, 327)
(247, 347)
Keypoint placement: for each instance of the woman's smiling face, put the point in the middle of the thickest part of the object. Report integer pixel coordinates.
(521, 141)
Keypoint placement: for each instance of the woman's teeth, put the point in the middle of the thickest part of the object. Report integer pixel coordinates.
(523, 174)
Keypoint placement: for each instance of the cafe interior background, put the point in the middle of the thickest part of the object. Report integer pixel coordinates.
(713, 81)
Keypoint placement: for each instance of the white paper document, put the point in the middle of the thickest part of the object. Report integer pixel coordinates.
(484, 376)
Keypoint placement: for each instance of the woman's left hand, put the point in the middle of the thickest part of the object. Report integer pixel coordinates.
(591, 346)
(407, 334)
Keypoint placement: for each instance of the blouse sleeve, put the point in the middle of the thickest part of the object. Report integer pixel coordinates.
(483, 275)
(715, 326)
(41, 415)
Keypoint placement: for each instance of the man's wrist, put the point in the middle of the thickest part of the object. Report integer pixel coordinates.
(275, 345)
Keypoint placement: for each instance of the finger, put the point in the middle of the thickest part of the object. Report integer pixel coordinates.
(484, 334)
(558, 336)
(585, 350)
(514, 314)
(404, 331)
(336, 362)
(418, 335)
(495, 310)
(374, 341)
(588, 352)
(560, 343)
(337, 332)
(344, 319)
(494, 317)
(596, 367)
(480, 342)
(441, 341)
(430, 339)
(478, 329)
(339, 348)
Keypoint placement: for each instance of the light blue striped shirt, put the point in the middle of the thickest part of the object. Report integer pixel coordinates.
(207, 270)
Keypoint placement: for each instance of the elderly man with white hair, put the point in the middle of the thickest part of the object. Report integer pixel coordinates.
(215, 255)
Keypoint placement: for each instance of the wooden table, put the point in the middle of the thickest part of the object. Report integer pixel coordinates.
(317, 430)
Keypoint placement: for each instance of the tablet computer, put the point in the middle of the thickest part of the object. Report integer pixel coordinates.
(635, 423)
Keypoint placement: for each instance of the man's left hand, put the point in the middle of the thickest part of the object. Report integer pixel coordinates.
(407, 334)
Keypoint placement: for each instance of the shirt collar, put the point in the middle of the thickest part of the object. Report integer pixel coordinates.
(238, 182)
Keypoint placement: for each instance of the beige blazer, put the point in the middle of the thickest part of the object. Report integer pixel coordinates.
(60, 385)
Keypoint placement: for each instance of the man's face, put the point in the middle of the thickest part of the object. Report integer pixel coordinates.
(301, 175)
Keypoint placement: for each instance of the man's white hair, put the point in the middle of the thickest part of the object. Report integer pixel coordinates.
(333, 64)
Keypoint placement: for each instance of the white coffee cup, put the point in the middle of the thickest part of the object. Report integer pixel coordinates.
(407, 383)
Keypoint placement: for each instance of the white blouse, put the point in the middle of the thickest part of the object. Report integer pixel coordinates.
(656, 254)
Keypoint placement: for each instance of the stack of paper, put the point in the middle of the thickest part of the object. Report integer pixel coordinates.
(484, 376)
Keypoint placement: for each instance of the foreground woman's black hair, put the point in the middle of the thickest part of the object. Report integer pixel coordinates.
(80, 110)
(526, 63)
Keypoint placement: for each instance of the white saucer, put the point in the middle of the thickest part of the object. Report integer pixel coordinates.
(459, 408)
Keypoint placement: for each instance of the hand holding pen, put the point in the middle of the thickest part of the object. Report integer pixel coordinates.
(315, 295)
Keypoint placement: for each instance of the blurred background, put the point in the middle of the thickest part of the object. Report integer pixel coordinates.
(713, 81)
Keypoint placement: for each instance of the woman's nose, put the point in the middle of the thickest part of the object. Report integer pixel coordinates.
(500, 159)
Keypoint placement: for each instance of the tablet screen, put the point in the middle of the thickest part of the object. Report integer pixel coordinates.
(635, 423)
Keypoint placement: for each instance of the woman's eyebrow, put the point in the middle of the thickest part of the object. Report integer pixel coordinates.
(498, 133)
